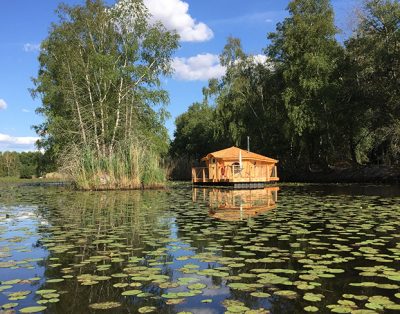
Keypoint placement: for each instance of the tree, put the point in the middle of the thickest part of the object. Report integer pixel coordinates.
(244, 102)
(312, 102)
(99, 77)
(195, 134)
(374, 54)
(100, 83)
(9, 164)
(248, 102)
(304, 48)
(29, 164)
(243, 96)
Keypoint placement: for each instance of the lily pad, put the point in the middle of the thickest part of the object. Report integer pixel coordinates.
(104, 305)
(286, 293)
(147, 309)
(55, 280)
(197, 286)
(131, 292)
(260, 294)
(311, 309)
(33, 309)
(312, 297)
(237, 308)
(45, 291)
(174, 301)
(9, 305)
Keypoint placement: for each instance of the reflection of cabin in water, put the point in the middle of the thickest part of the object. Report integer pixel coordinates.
(233, 205)
(235, 167)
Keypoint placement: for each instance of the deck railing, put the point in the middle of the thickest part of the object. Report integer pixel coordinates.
(200, 174)
(237, 172)
(234, 173)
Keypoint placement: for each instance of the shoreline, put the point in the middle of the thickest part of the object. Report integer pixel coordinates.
(362, 174)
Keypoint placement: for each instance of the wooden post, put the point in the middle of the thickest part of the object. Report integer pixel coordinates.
(204, 175)
(268, 173)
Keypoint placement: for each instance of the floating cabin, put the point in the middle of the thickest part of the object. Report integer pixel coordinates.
(237, 168)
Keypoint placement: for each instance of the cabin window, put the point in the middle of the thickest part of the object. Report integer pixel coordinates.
(212, 160)
(236, 168)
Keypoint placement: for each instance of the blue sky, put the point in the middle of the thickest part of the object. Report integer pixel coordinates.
(204, 26)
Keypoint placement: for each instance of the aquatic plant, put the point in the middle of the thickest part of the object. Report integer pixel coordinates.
(158, 251)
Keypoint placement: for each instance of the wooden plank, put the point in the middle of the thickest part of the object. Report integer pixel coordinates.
(194, 175)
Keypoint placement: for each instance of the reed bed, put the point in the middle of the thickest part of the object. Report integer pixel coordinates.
(131, 165)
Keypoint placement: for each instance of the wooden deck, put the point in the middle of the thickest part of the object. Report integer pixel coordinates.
(234, 177)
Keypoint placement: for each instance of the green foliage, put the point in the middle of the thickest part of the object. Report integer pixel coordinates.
(29, 164)
(194, 134)
(9, 164)
(244, 99)
(99, 79)
(305, 48)
(24, 165)
(313, 103)
(374, 54)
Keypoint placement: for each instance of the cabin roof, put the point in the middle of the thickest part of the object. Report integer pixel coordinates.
(232, 153)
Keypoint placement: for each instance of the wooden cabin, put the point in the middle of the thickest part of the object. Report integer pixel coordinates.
(235, 167)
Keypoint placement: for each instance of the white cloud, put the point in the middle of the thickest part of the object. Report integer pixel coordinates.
(28, 47)
(3, 104)
(262, 60)
(200, 67)
(174, 15)
(206, 66)
(8, 140)
(25, 110)
(259, 58)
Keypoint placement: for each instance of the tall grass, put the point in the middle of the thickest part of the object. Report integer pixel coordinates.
(132, 165)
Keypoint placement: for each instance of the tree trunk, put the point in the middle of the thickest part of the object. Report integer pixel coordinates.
(89, 90)
(78, 109)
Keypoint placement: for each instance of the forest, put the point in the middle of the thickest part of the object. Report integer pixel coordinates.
(25, 165)
(315, 103)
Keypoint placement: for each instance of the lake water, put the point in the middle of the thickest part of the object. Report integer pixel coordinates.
(292, 249)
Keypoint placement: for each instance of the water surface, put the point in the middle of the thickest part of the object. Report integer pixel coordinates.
(307, 248)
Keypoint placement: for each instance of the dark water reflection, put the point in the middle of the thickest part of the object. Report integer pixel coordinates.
(313, 248)
(237, 205)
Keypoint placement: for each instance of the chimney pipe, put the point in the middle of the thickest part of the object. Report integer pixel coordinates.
(248, 143)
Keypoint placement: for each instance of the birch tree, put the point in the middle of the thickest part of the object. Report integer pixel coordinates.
(100, 77)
